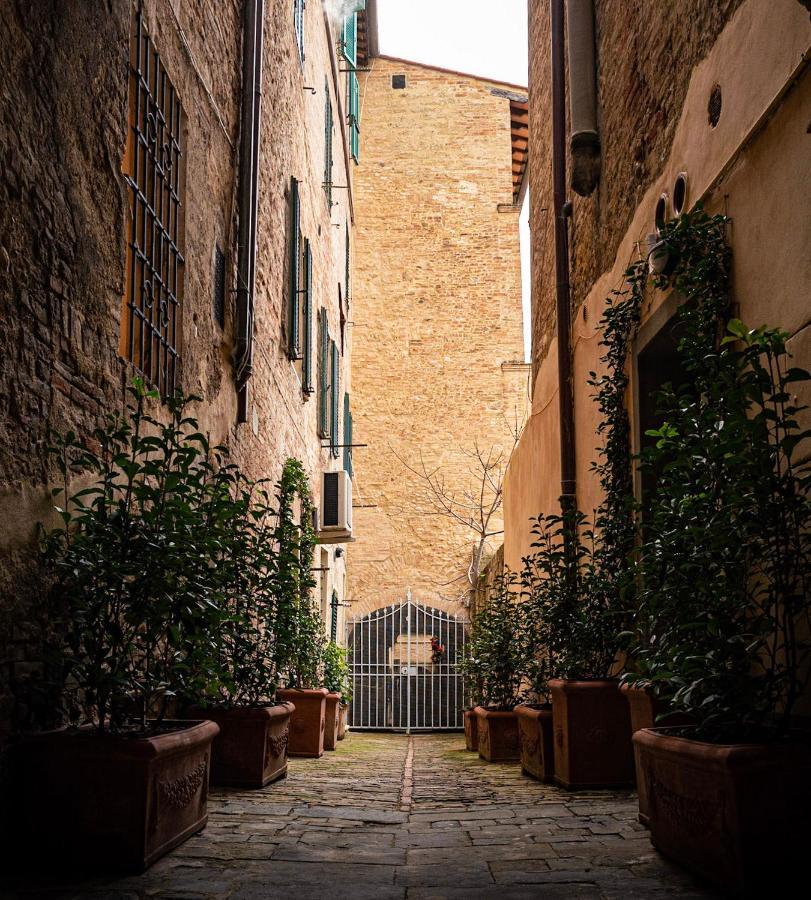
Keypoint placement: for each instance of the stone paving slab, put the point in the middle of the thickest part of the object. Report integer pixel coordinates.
(385, 817)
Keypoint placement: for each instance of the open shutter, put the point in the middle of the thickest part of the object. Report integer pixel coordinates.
(334, 397)
(293, 337)
(323, 373)
(307, 364)
(349, 39)
(347, 436)
(354, 116)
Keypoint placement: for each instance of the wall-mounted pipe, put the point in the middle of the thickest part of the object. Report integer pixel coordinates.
(562, 209)
(250, 128)
(585, 134)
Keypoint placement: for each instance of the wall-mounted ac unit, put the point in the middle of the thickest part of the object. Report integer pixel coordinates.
(336, 508)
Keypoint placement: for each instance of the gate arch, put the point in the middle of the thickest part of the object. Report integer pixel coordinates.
(400, 681)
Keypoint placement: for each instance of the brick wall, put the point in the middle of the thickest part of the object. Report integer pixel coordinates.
(437, 320)
(63, 214)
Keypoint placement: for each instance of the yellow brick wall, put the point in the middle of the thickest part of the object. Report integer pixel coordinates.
(436, 312)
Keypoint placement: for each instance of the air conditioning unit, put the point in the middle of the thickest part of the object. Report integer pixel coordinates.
(336, 508)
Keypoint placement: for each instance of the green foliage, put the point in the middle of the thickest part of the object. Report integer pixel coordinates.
(336, 671)
(724, 616)
(494, 661)
(133, 602)
(300, 631)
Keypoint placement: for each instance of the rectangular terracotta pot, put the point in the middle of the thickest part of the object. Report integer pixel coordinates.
(111, 801)
(343, 709)
(471, 730)
(498, 735)
(592, 727)
(331, 721)
(308, 722)
(251, 749)
(736, 814)
(536, 741)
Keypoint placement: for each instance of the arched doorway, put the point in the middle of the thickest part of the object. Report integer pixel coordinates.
(405, 668)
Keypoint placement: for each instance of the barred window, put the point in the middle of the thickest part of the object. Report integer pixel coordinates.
(154, 172)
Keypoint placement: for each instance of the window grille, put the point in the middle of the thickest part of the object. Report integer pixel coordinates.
(154, 173)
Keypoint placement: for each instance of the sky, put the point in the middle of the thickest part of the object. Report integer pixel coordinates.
(483, 37)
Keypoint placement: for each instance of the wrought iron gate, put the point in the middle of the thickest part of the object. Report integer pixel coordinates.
(405, 665)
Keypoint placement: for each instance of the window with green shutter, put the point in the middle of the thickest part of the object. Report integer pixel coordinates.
(293, 335)
(334, 399)
(323, 374)
(298, 23)
(328, 128)
(354, 116)
(347, 273)
(349, 39)
(307, 321)
(347, 436)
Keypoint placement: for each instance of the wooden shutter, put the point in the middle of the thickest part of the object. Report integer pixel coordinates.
(293, 337)
(347, 273)
(328, 145)
(354, 116)
(347, 436)
(350, 39)
(334, 397)
(323, 373)
(307, 363)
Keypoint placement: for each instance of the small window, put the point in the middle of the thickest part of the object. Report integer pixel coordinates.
(398, 82)
(155, 178)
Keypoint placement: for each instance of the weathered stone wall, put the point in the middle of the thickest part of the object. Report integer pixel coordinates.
(437, 321)
(654, 93)
(63, 218)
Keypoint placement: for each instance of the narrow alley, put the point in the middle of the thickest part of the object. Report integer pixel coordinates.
(386, 816)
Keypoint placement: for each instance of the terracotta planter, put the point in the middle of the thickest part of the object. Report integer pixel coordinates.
(343, 710)
(471, 730)
(251, 749)
(331, 721)
(536, 741)
(119, 802)
(308, 722)
(592, 727)
(736, 814)
(498, 734)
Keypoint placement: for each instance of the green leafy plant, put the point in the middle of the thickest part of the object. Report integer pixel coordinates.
(336, 671)
(725, 608)
(133, 605)
(299, 629)
(494, 660)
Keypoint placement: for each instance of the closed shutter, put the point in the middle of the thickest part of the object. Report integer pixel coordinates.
(334, 397)
(307, 363)
(347, 436)
(328, 145)
(323, 373)
(293, 337)
(346, 290)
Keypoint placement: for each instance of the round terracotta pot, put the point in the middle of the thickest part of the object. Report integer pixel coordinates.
(592, 727)
(343, 710)
(308, 722)
(536, 741)
(471, 730)
(331, 721)
(498, 734)
(124, 801)
(735, 813)
(251, 749)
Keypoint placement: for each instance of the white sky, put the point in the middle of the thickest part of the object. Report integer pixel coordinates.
(483, 37)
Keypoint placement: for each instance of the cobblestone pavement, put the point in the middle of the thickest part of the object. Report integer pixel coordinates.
(391, 817)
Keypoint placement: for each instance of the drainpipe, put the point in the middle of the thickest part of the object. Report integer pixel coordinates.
(585, 136)
(248, 203)
(562, 211)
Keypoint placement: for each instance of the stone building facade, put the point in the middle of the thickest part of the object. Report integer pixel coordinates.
(720, 91)
(72, 108)
(436, 320)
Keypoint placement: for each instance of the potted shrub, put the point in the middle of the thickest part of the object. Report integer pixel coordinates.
(251, 748)
(130, 609)
(336, 681)
(535, 730)
(572, 606)
(725, 603)
(298, 620)
(494, 655)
